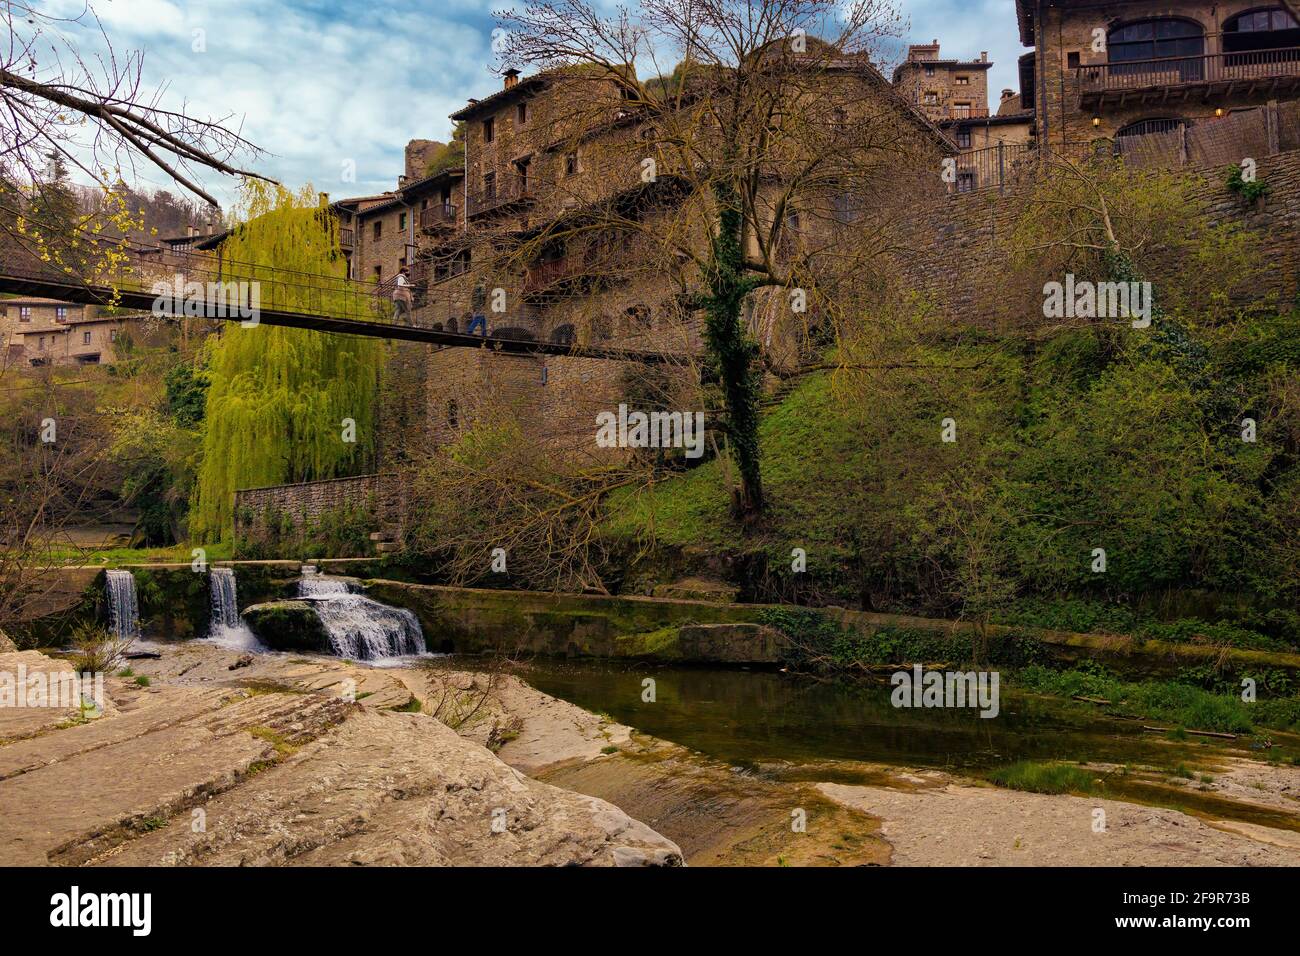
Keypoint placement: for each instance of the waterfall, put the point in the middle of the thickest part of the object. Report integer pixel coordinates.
(227, 627)
(225, 601)
(123, 609)
(358, 627)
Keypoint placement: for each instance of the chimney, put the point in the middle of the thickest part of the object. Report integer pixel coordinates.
(984, 56)
(511, 77)
(1007, 94)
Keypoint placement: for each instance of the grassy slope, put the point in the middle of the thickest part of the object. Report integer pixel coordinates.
(806, 460)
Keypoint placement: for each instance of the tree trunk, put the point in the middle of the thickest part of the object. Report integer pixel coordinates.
(735, 352)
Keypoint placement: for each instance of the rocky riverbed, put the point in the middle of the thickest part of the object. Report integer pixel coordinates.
(209, 756)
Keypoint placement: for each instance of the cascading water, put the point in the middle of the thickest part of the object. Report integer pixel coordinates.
(359, 627)
(225, 600)
(226, 626)
(123, 609)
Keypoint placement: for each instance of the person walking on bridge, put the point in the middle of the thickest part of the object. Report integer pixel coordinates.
(402, 297)
(477, 303)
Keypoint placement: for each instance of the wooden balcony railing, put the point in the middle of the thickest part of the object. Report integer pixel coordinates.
(970, 112)
(345, 238)
(438, 217)
(594, 261)
(1274, 67)
(504, 191)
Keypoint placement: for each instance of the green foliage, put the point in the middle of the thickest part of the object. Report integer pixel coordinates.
(336, 532)
(452, 154)
(820, 642)
(278, 397)
(1249, 191)
(187, 392)
(1039, 777)
(1182, 701)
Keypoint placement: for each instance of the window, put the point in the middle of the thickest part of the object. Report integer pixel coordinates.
(24, 313)
(489, 186)
(963, 139)
(401, 221)
(379, 273)
(1072, 59)
(521, 114)
(931, 98)
(378, 228)
(85, 338)
(61, 313)
(521, 173)
(489, 130)
(453, 413)
(40, 345)
(112, 335)
(1157, 40)
(961, 110)
(1273, 29)
(929, 71)
(1147, 126)
(962, 81)
(571, 164)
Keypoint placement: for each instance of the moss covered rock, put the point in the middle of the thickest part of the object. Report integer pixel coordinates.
(288, 626)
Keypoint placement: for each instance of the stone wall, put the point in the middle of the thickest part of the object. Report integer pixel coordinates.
(307, 502)
(956, 250)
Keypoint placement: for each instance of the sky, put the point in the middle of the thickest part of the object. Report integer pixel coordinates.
(326, 87)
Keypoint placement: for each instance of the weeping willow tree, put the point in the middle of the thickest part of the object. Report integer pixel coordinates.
(284, 405)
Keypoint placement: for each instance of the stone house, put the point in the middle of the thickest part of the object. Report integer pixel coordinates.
(1132, 67)
(37, 332)
(541, 151)
(954, 94)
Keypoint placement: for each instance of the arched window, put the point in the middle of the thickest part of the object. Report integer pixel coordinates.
(1148, 126)
(563, 335)
(1272, 29)
(1182, 41)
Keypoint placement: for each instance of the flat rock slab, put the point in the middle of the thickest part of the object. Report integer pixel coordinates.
(273, 763)
(19, 722)
(400, 789)
(985, 826)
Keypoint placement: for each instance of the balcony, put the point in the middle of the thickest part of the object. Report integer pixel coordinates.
(969, 112)
(438, 218)
(594, 261)
(346, 238)
(503, 192)
(1213, 74)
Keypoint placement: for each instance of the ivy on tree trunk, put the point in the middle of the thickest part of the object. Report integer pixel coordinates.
(733, 348)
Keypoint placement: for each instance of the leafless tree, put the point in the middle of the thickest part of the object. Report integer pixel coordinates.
(755, 152)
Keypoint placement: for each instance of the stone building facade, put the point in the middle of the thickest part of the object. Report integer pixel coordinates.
(944, 89)
(37, 332)
(1130, 67)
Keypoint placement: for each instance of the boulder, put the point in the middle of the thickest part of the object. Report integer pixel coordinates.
(288, 626)
(6, 645)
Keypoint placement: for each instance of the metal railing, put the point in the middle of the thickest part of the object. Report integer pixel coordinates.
(990, 168)
(1132, 75)
(1217, 141)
